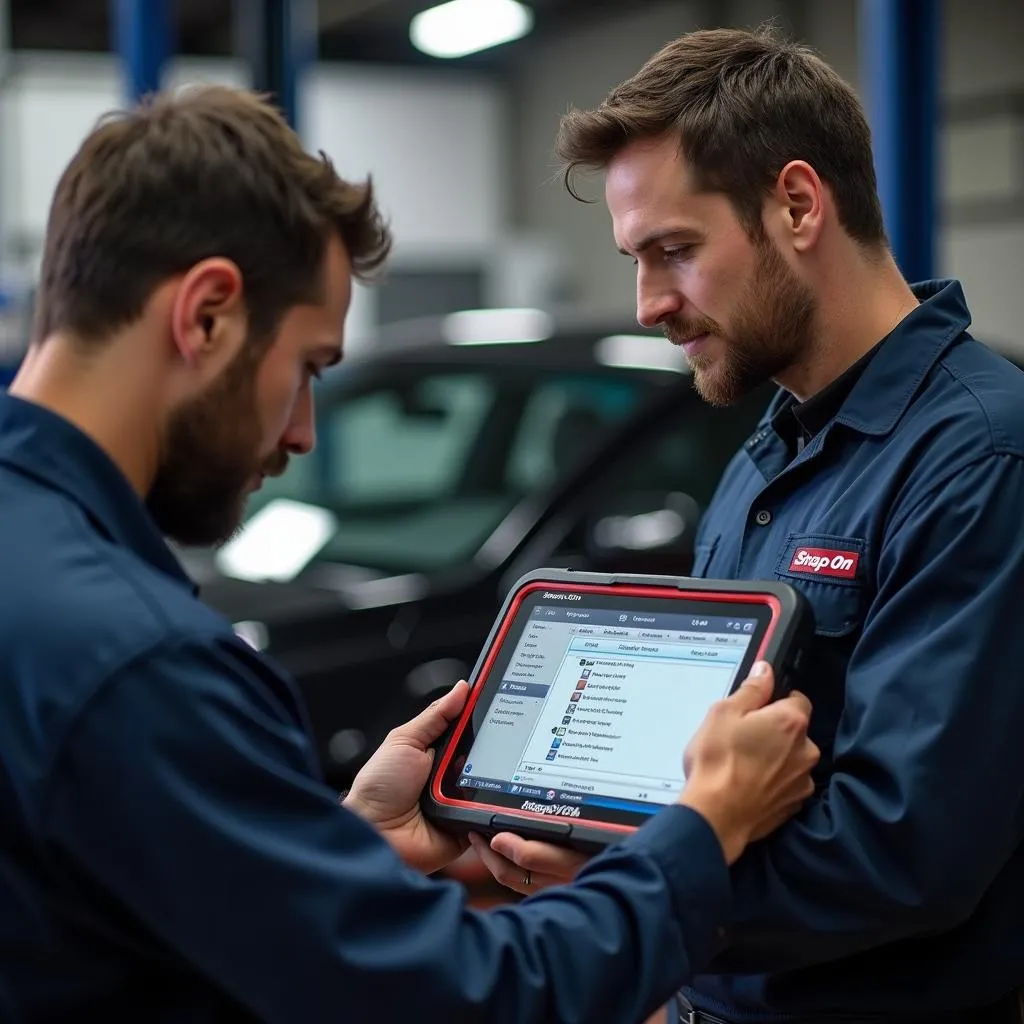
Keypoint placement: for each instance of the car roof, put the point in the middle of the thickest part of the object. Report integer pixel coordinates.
(529, 338)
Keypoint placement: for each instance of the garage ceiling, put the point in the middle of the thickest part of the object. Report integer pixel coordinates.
(349, 30)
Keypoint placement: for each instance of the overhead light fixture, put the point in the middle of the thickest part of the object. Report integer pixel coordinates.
(278, 542)
(461, 27)
(641, 352)
(497, 326)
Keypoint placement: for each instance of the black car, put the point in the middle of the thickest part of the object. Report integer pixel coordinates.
(453, 455)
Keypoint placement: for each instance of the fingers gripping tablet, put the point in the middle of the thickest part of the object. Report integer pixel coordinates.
(587, 692)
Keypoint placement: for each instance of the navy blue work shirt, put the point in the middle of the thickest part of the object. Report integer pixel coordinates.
(169, 853)
(899, 890)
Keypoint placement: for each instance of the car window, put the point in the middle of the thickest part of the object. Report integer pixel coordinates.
(390, 443)
(406, 443)
(563, 421)
(419, 467)
(688, 450)
(685, 453)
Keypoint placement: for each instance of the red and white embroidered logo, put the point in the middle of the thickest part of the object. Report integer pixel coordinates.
(825, 562)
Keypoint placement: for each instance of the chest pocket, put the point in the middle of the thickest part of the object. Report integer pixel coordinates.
(830, 572)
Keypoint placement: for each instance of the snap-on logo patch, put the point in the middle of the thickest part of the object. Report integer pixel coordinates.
(823, 562)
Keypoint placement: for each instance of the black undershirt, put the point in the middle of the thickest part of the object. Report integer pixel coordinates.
(798, 422)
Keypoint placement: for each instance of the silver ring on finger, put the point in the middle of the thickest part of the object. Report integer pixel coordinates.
(527, 878)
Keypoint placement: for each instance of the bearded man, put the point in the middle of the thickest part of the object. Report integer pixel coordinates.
(169, 851)
(886, 482)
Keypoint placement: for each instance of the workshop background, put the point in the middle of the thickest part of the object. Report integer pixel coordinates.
(499, 409)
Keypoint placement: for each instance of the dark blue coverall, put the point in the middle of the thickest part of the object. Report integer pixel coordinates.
(894, 501)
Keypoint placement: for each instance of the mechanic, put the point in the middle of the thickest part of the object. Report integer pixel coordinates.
(886, 483)
(168, 850)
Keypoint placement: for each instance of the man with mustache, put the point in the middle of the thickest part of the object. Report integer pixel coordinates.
(886, 482)
(168, 850)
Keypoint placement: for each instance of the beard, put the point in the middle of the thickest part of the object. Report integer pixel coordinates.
(211, 457)
(773, 329)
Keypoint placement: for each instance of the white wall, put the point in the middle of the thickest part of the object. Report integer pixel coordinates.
(577, 72)
(983, 164)
(48, 104)
(433, 143)
(982, 156)
(456, 160)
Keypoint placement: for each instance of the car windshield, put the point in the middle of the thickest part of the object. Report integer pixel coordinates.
(415, 466)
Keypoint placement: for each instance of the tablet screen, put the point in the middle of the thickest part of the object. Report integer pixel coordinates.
(588, 700)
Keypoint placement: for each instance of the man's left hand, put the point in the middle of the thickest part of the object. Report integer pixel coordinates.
(386, 792)
(509, 857)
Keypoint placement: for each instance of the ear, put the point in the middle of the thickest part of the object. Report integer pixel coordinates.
(800, 196)
(208, 315)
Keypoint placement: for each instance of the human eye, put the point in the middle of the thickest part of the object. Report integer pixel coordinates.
(677, 253)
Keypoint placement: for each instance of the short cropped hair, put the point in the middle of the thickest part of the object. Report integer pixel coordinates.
(742, 104)
(208, 171)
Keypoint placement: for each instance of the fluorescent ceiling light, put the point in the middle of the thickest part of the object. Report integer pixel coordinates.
(497, 326)
(462, 27)
(641, 352)
(278, 542)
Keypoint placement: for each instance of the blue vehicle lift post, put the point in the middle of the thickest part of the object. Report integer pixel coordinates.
(143, 38)
(899, 46)
(278, 39)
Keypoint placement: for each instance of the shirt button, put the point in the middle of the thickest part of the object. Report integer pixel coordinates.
(763, 518)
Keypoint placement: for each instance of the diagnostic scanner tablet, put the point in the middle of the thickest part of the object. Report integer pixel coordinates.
(587, 692)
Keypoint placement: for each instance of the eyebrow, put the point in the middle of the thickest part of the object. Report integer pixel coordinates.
(659, 236)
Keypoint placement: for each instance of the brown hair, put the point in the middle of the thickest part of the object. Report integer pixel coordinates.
(209, 171)
(743, 104)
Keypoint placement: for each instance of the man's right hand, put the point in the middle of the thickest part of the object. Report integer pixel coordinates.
(748, 767)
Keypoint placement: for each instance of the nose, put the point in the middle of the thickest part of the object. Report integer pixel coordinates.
(300, 435)
(656, 299)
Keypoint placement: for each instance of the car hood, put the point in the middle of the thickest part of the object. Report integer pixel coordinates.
(320, 591)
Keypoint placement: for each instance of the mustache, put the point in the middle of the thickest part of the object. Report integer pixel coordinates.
(681, 331)
(275, 465)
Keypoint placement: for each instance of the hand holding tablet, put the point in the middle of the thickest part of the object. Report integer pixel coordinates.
(748, 771)
(588, 691)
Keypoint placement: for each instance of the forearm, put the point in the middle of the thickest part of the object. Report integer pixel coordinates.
(612, 947)
(342, 927)
(298, 910)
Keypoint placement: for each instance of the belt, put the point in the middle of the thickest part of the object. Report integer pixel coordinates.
(688, 1015)
(1008, 1010)
(699, 1017)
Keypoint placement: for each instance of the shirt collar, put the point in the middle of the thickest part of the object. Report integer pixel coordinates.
(816, 413)
(797, 422)
(888, 385)
(40, 444)
(884, 388)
